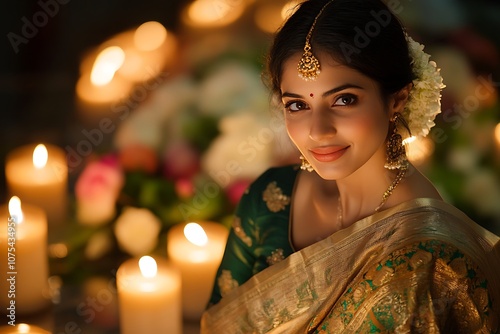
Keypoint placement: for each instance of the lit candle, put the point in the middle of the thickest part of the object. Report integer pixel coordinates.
(196, 249)
(110, 73)
(24, 260)
(39, 176)
(22, 328)
(149, 297)
(149, 48)
(100, 84)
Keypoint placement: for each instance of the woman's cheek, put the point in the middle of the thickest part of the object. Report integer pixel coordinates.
(295, 131)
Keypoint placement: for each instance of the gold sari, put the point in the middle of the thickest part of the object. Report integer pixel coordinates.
(422, 266)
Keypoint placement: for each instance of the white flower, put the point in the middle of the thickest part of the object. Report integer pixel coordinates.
(232, 87)
(243, 150)
(137, 231)
(141, 127)
(148, 124)
(424, 102)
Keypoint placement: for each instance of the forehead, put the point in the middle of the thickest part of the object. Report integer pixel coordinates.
(332, 74)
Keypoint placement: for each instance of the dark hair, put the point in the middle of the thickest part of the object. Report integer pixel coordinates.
(362, 34)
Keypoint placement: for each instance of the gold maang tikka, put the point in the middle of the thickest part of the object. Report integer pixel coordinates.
(309, 67)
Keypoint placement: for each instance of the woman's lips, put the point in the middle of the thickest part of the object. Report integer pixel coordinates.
(328, 154)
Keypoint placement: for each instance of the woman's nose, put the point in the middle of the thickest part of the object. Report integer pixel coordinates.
(322, 126)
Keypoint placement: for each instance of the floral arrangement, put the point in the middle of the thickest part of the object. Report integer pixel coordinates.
(186, 153)
(424, 102)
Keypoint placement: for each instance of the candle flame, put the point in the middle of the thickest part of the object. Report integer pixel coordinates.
(148, 266)
(106, 64)
(40, 156)
(195, 234)
(24, 328)
(15, 209)
(150, 36)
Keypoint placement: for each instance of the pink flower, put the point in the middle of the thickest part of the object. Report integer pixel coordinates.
(96, 191)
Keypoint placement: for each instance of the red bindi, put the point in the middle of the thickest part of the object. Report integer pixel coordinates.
(311, 95)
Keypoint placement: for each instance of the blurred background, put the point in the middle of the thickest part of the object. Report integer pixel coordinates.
(177, 121)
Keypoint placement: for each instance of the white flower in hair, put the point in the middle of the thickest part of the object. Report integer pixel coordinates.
(424, 102)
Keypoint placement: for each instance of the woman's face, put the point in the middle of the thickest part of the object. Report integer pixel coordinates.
(339, 122)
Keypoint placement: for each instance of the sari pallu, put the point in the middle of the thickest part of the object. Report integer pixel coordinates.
(422, 266)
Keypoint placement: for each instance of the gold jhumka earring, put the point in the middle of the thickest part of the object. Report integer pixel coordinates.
(305, 165)
(396, 158)
(396, 152)
(309, 67)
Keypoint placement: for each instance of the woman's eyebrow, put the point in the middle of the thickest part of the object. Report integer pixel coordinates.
(340, 88)
(325, 94)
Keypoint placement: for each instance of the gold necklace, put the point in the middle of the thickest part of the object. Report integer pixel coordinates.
(385, 196)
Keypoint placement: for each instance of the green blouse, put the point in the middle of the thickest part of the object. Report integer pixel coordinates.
(259, 235)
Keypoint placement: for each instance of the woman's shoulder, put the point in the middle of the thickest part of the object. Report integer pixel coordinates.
(414, 185)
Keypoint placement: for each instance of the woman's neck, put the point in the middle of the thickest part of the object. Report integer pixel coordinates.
(361, 192)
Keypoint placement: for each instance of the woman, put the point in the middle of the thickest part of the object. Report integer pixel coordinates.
(356, 239)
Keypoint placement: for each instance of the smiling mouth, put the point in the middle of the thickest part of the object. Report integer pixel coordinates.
(328, 154)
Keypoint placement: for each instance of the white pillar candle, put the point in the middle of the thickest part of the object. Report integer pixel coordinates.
(197, 250)
(149, 297)
(23, 259)
(38, 175)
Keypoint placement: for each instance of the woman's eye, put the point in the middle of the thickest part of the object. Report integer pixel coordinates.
(295, 106)
(345, 100)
